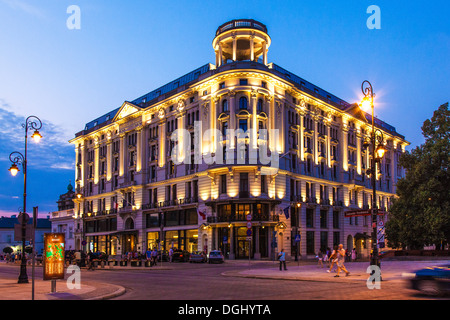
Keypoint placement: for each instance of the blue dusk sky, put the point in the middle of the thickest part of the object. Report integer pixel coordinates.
(125, 49)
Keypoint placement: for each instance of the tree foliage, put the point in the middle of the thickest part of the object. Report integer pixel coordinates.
(421, 213)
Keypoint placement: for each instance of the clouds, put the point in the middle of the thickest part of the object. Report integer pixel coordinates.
(53, 151)
(51, 163)
(25, 7)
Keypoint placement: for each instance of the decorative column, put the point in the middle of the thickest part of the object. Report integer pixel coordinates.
(139, 149)
(232, 255)
(328, 144)
(122, 155)
(254, 126)
(234, 48)
(108, 159)
(232, 125)
(252, 48)
(301, 136)
(162, 144)
(316, 140)
(358, 152)
(344, 145)
(264, 53)
(96, 161)
(257, 254)
(220, 54)
(213, 123)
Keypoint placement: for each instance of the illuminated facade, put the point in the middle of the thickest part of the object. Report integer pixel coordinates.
(136, 196)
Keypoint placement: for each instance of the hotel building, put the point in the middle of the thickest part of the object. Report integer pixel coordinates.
(134, 195)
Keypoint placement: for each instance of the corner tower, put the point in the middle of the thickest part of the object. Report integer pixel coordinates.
(241, 40)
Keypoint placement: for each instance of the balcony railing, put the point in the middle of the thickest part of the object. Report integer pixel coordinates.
(243, 217)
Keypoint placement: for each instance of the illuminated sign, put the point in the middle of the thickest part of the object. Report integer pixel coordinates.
(54, 256)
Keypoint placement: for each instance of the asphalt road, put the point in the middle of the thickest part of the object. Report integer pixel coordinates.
(185, 281)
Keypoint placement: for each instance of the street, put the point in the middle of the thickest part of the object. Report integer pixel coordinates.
(239, 280)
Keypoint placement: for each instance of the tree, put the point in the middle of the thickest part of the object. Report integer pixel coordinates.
(421, 213)
(8, 250)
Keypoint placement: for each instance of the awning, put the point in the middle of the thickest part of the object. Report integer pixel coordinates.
(361, 236)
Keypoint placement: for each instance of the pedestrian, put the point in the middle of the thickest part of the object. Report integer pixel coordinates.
(320, 258)
(170, 254)
(78, 258)
(341, 260)
(154, 257)
(333, 258)
(282, 259)
(354, 254)
(148, 255)
(91, 257)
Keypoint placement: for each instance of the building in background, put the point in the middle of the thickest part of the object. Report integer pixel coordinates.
(135, 195)
(7, 233)
(63, 220)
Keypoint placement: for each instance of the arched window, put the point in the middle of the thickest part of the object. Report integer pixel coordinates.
(243, 103)
(225, 106)
(259, 106)
(129, 224)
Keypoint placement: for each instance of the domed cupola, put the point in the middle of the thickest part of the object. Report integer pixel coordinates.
(241, 40)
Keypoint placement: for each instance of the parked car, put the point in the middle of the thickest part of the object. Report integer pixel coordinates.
(216, 256)
(180, 256)
(197, 256)
(432, 280)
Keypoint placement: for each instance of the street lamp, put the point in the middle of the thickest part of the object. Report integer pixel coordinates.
(378, 151)
(32, 122)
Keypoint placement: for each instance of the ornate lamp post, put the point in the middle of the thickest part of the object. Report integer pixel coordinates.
(16, 158)
(378, 150)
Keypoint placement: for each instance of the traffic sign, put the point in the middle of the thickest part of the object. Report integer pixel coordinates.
(249, 225)
(297, 238)
(249, 232)
(249, 238)
(249, 217)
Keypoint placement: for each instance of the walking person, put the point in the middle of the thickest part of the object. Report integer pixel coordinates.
(333, 258)
(341, 260)
(320, 258)
(354, 254)
(154, 257)
(282, 259)
(170, 254)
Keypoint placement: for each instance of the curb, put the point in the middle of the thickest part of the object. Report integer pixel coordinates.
(120, 291)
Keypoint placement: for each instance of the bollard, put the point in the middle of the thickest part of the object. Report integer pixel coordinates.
(102, 264)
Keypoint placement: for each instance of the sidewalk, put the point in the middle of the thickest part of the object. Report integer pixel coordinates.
(11, 290)
(390, 270)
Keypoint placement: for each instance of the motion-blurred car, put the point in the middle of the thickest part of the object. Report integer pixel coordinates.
(180, 256)
(216, 256)
(197, 256)
(433, 281)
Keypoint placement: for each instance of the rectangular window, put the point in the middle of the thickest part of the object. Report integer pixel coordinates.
(309, 218)
(243, 185)
(323, 240)
(336, 219)
(310, 242)
(323, 218)
(223, 183)
(243, 82)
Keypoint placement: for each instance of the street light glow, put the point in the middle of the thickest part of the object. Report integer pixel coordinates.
(366, 104)
(14, 169)
(36, 136)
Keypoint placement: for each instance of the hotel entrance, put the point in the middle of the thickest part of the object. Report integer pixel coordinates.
(242, 245)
